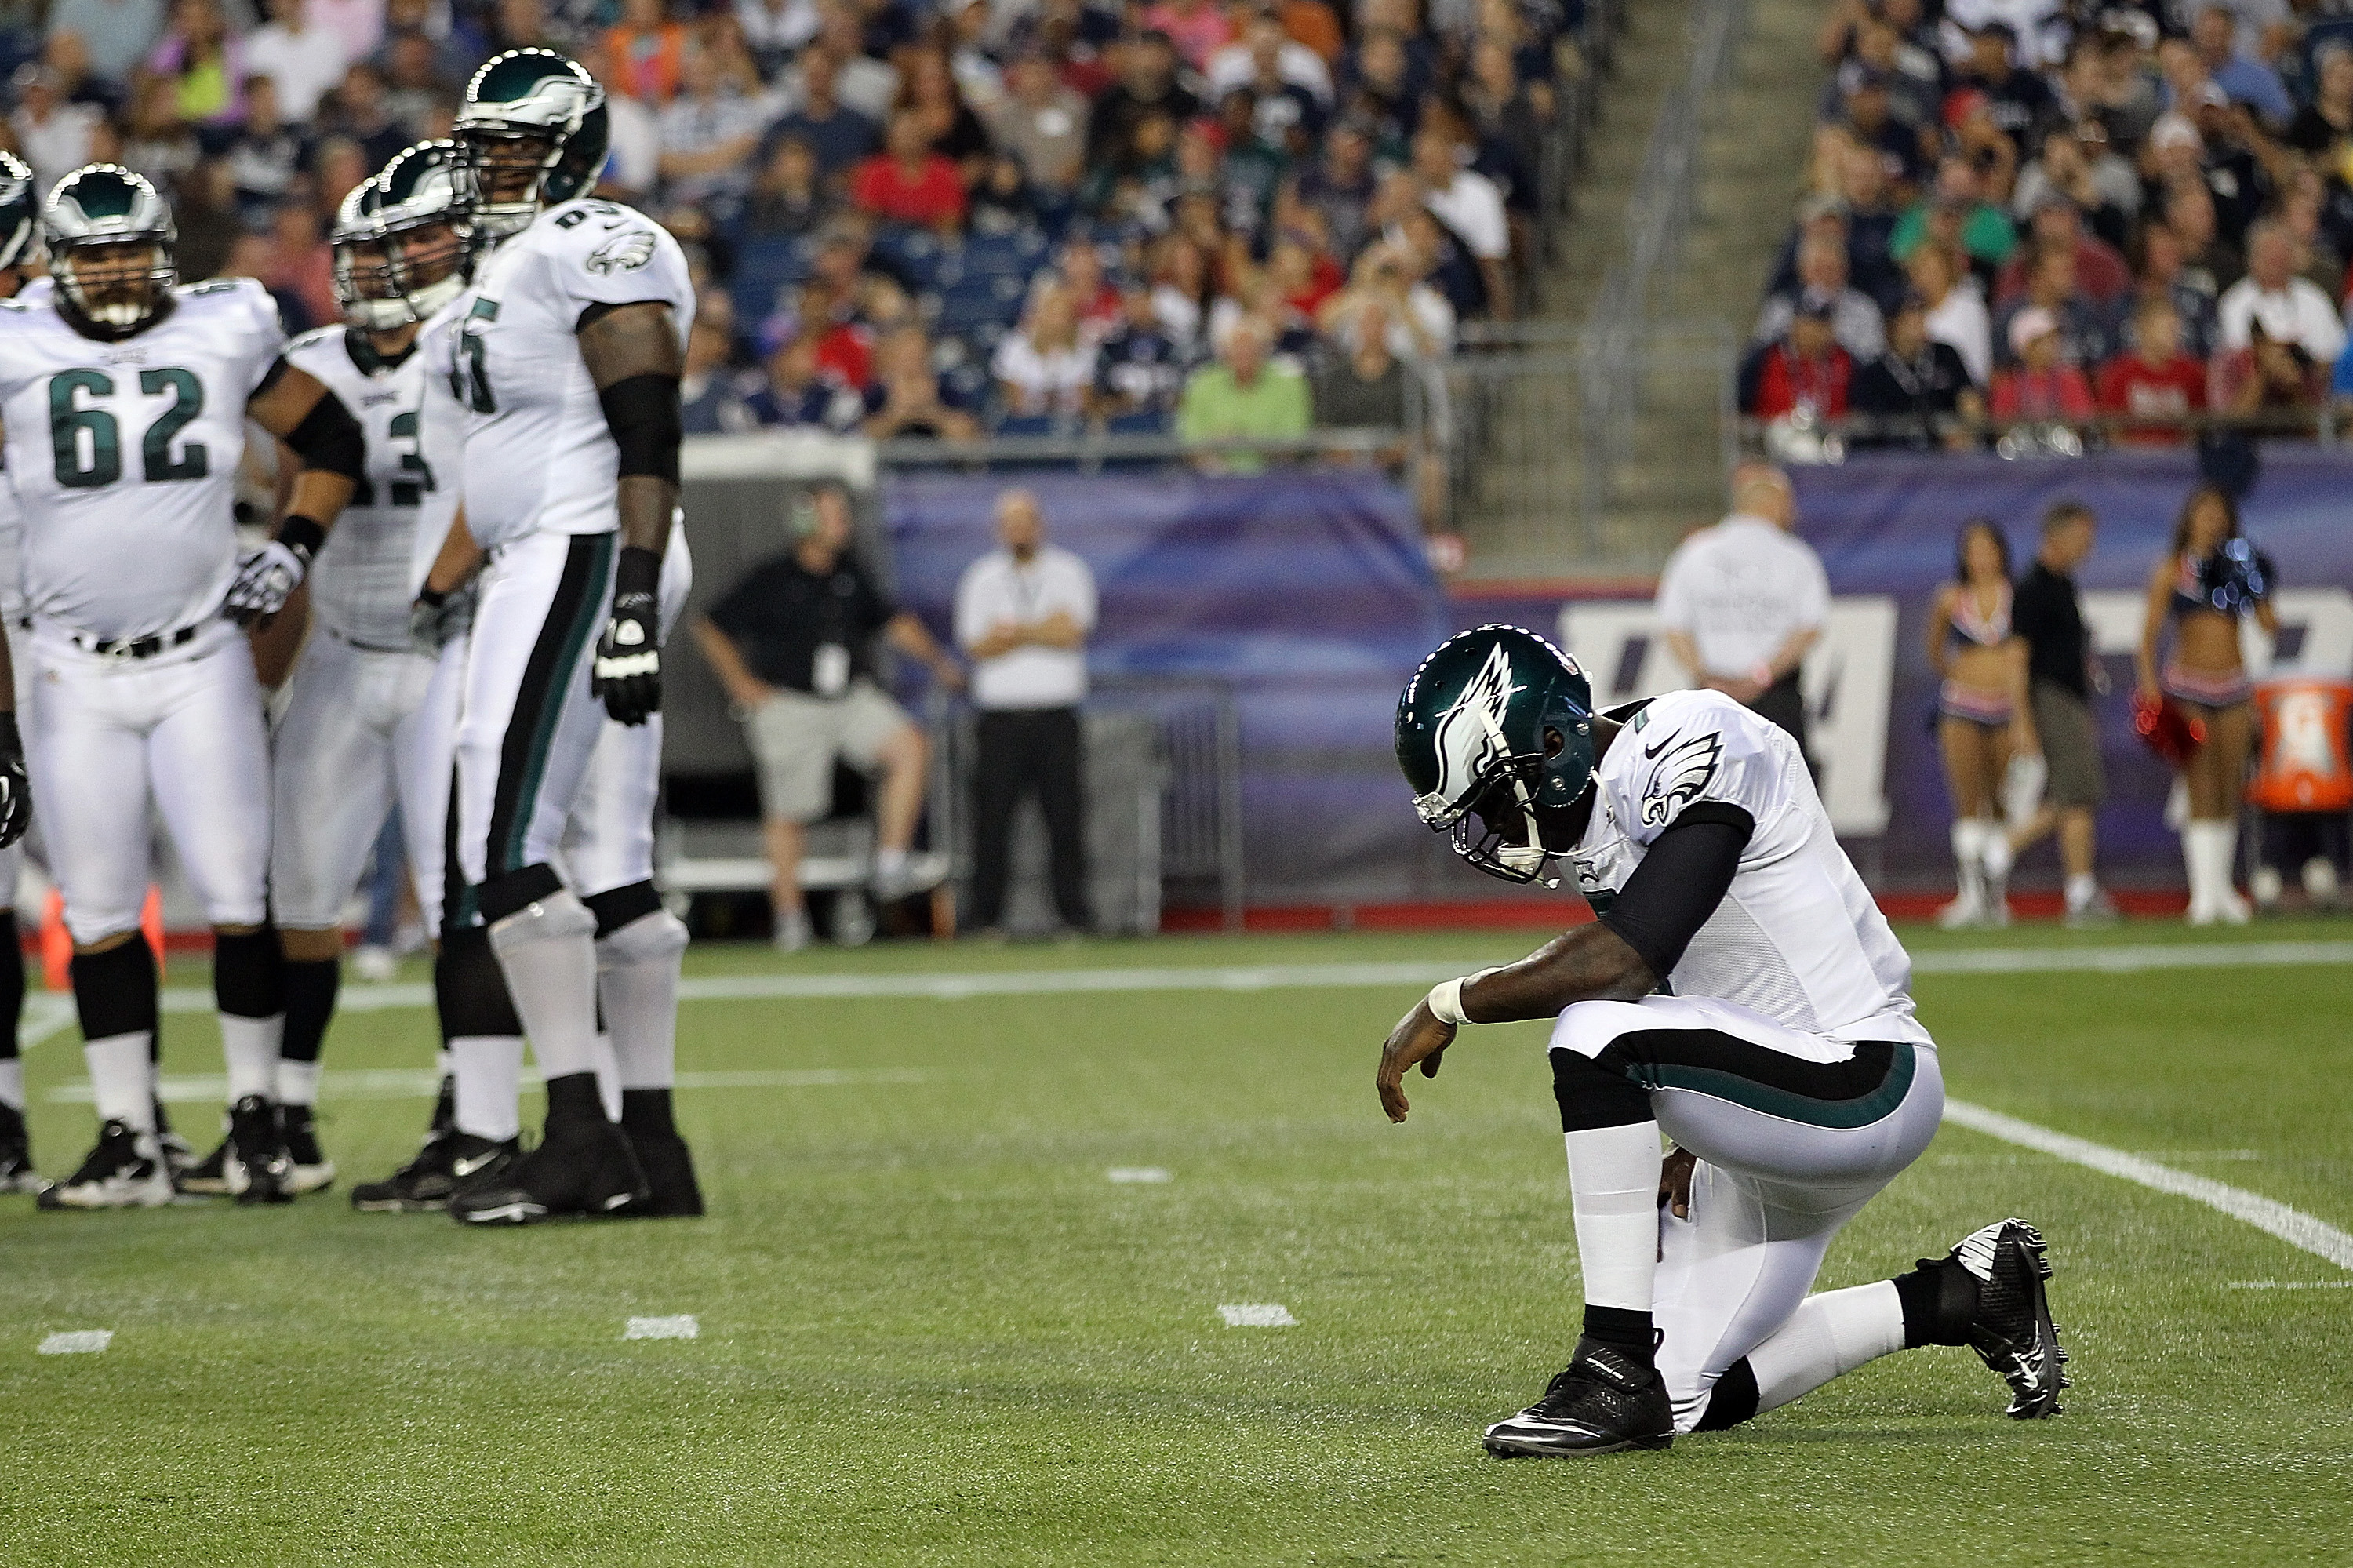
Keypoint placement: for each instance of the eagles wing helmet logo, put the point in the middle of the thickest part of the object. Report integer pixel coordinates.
(622, 253)
(1681, 773)
(1470, 733)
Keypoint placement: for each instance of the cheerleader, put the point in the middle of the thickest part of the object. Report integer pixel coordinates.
(1983, 718)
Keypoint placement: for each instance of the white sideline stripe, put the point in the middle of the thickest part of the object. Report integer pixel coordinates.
(1131, 1174)
(77, 1342)
(2293, 1226)
(682, 1326)
(46, 1013)
(1258, 1314)
(410, 1083)
(2290, 1285)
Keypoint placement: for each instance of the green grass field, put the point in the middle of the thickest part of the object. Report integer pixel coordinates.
(933, 1329)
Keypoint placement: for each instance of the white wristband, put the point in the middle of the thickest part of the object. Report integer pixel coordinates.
(1445, 999)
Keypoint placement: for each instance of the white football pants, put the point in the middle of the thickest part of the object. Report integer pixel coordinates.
(1794, 1133)
(105, 736)
(608, 840)
(336, 769)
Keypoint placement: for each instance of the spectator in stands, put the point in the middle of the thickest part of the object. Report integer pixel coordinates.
(156, 140)
(1867, 208)
(634, 168)
(1182, 290)
(356, 110)
(1469, 204)
(2100, 274)
(841, 136)
(1147, 86)
(1268, 59)
(869, 85)
(793, 646)
(1413, 317)
(788, 198)
(200, 63)
(2208, 261)
(337, 165)
(1042, 124)
(2041, 387)
(1044, 369)
(2290, 308)
(915, 403)
(54, 134)
(2063, 672)
(1868, 116)
(1995, 66)
(2246, 81)
(116, 33)
(265, 157)
(1954, 311)
(304, 60)
(909, 183)
(2078, 168)
(1383, 88)
(1917, 388)
(1982, 229)
(1433, 255)
(412, 84)
(1241, 395)
(1822, 281)
(2154, 380)
(1139, 368)
(2275, 385)
(707, 403)
(1511, 112)
(928, 87)
(1198, 28)
(1915, 95)
(2088, 334)
(1743, 603)
(1364, 388)
(775, 30)
(205, 214)
(2322, 128)
(1805, 374)
(1096, 299)
(709, 132)
(2239, 163)
(648, 52)
(1023, 614)
(798, 392)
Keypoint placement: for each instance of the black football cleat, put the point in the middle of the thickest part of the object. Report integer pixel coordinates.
(205, 1178)
(668, 1166)
(256, 1169)
(16, 1172)
(2011, 1330)
(1604, 1402)
(584, 1165)
(421, 1186)
(125, 1171)
(307, 1167)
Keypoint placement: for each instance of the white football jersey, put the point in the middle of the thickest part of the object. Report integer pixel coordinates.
(538, 454)
(359, 585)
(441, 440)
(1798, 937)
(123, 456)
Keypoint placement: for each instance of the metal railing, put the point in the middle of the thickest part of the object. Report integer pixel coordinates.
(1810, 440)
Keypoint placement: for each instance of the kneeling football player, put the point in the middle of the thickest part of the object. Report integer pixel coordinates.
(1741, 992)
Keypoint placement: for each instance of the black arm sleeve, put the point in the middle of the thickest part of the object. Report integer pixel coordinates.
(329, 440)
(1680, 882)
(643, 413)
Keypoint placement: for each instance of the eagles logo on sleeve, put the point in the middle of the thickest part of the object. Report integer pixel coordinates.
(622, 253)
(1683, 768)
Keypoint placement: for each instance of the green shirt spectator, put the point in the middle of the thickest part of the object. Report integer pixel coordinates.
(1242, 395)
(1957, 200)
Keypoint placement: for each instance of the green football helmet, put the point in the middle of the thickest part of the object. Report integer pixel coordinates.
(111, 241)
(403, 241)
(1476, 735)
(20, 213)
(532, 132)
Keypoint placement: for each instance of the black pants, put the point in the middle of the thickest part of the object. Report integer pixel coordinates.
(1786, 706)
(1019, 750)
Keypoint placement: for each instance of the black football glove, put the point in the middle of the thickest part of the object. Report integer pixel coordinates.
(627, 670)
(264, 581)
(16, 785)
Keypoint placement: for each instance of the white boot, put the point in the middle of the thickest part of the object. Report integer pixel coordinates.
(2193, 860)
(2320, 880)
(2208, 846)
(2265, 885)
(2233, 909)
(1969, 862)
(1996, 860)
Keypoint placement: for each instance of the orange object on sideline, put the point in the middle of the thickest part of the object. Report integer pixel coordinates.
(57, 942)
(2305, 761)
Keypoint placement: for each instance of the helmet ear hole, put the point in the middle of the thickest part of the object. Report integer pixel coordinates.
(1555, 742)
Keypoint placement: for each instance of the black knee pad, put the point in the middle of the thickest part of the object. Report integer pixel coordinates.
(114, 992)
(249, 973)
(620, 907)
(1733, 1400)
(509, 891)
(469, 989)
(1591, 1096)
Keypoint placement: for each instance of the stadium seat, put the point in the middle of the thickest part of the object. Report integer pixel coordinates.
(764, 270)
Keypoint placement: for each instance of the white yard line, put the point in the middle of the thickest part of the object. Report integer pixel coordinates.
(2267, 1214)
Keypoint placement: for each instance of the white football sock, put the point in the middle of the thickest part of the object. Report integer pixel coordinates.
(488, 1070)
(608, 1076)
(298, 1083)
(1994, 850)
(2082, 888)
(1827, 1336)
(636, 976)
(121, 1080)
(12, 1081)
(249, 1050)
(548, 952)
(1613, 1188)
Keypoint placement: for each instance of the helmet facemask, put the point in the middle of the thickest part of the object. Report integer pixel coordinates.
(397, 277)
(114, 286)
(506, 174)
(1501, 806)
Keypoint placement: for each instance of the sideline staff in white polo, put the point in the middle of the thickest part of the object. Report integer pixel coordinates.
(1742, 602)
(1022, 616)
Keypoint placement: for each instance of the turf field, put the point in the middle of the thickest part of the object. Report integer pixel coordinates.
(932, 1328)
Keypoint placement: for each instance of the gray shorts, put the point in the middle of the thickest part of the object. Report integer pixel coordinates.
(795, 738)
(2070, 746)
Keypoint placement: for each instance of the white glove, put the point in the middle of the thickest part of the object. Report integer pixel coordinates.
(264, 581)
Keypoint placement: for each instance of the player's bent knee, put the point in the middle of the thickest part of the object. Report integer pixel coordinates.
(310, 944)
(532, 906)
(1591, 1096)
(635, 929)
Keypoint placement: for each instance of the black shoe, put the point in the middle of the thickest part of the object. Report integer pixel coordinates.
(1606, 1401)
(421, 1186)
(124, 1171)
(2012, 1331)
(256, 1170)
(16, 1172)
(582, 1166)
(206, 1178)
(307, 1167)
(671, 1191)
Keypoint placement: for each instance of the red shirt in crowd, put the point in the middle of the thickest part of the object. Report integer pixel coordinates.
(1785, 380)
(2100, 273)
(2131, 386)
(2060, 393)
(931, 196)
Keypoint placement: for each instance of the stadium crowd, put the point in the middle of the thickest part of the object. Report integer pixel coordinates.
(914, 218)
(2036, 221)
